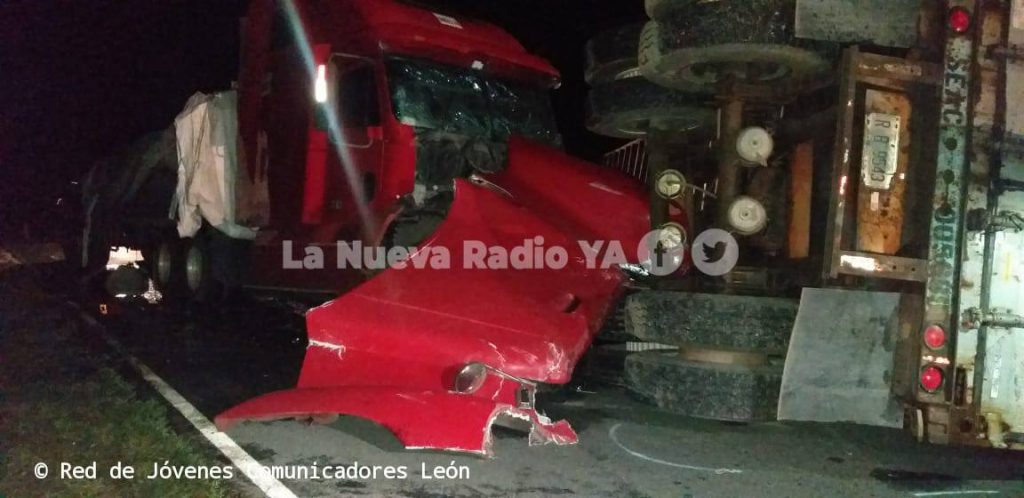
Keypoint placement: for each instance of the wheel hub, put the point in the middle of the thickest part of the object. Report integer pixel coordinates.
(713, 72)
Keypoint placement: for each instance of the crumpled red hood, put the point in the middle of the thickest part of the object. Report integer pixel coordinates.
(410, 330)
(582, 199)
(529, 323)
(533, 324)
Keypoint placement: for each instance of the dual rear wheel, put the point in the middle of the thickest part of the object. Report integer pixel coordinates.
(667, 73)
(182, 269)
(730, 357)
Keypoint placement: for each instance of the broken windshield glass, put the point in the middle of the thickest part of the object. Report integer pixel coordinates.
(468, 102)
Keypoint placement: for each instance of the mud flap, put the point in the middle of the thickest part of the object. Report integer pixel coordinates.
(840, 359)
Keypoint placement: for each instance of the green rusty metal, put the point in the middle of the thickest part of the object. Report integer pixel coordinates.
(948, 198)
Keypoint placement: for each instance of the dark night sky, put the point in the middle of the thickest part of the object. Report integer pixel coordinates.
(78, 78)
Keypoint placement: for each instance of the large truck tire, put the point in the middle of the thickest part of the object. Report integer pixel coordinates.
(662, 9)
(202, 284)
(629, 108)
(750, 41)
(95, 242)
(167, 267)
(714, 321)
(612, 55)
(614, 327)
(715, 391)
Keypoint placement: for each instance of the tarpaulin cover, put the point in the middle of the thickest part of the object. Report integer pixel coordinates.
(208, 173)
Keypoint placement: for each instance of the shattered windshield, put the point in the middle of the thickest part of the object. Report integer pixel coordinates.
(468, 102)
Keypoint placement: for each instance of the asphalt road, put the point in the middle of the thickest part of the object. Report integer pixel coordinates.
(218, 358)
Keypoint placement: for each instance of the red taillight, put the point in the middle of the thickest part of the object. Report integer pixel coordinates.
(959, 19)
(934, 337)
(931, 379)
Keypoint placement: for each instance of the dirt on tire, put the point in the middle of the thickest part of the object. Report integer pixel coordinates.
(714, 321)
(695, 48)
(612, 54)
(705, 390)
(629, 108)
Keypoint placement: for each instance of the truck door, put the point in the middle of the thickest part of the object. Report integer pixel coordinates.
(350, 151)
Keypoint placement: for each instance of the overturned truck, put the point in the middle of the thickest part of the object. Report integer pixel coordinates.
(863, 158)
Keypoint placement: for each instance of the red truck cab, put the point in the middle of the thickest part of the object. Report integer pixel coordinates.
(391, 125)
(362, 113)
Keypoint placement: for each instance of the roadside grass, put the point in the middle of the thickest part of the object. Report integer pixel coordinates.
(61, 401)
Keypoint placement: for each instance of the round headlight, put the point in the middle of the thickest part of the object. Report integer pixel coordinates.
(470, 378)
(670, 184)
(671, 236)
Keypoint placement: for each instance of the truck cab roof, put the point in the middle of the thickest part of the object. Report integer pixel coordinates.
(399, 28)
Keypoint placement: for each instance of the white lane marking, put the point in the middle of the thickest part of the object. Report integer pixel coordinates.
(242, 461)
(615, 439)
(957, 493)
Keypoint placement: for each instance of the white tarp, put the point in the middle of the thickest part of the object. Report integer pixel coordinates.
(207, 135)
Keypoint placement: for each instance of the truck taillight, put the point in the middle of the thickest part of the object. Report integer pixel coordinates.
(959, 19)
(934, 337)
(320, 86)
(931, 378)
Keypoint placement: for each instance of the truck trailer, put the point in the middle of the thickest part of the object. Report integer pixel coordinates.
(860, 156)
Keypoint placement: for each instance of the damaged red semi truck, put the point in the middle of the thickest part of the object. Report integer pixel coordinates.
(377, 122)
(873, 198)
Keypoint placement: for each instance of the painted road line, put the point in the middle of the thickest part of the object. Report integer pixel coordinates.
(242, 461)
(613, 434)
(957, 493)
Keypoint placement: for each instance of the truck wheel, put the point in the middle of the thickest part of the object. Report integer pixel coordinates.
(199, 274)
(705, 390)
(627, 108)
(167, 268)
(614, 327)
(612, 55)
(719, 321)
(96, 245)
(661, 9)
(749, 42)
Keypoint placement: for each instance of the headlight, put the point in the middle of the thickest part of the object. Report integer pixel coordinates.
(470, 378)
(670, 184)
(671, 236)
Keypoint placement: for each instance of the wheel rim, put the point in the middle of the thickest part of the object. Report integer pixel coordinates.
(194, 267)
(163, 264)
(748, 72)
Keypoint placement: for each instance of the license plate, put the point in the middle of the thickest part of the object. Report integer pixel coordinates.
(881, 145)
